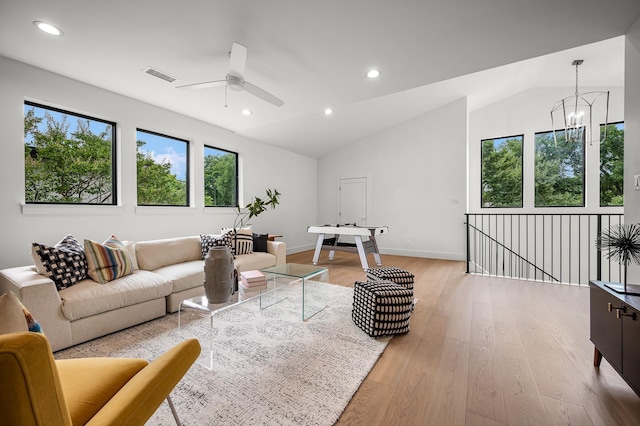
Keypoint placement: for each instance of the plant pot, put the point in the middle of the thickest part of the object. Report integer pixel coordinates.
(218, 275)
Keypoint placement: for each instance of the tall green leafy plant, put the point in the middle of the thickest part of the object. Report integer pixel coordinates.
(257, 206)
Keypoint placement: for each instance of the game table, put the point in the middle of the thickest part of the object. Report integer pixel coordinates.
(362, 247)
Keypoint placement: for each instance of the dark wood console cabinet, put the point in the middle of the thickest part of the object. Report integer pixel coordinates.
(615, 331)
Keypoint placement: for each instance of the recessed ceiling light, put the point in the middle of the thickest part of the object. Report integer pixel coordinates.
(48, 28)
(373, 73)
(328, 111)
(247, 112)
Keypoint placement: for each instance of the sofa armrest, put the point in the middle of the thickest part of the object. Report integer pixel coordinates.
(39, 294)
(279, 250)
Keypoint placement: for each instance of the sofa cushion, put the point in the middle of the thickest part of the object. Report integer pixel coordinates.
(107, 261)
(183, 275)
(88, 297)
(255, 260)
(155, 254)
(65, 263)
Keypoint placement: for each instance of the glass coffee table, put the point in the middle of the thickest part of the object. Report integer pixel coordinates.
(308, 282)
(275, 292)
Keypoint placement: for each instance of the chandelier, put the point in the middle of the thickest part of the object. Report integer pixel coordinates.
(577, 114)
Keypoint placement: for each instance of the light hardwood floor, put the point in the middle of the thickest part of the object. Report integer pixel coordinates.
(485, 351)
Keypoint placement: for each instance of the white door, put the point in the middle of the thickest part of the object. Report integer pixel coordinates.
(352, 201)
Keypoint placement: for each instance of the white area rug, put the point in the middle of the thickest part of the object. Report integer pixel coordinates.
(270, 368)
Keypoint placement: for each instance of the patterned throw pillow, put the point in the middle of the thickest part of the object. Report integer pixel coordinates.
(107, 261)
(65, 263)
(208, 241)
(14, 317)
(241, 240)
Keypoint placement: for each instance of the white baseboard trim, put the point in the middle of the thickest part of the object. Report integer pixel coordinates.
(395, 252)
(425, 254)
(298, 249)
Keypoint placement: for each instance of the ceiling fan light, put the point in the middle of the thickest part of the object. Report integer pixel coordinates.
(48, 28)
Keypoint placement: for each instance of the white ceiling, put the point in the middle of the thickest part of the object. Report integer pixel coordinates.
(314, 55)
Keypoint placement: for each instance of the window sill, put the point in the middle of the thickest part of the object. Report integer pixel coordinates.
(224, 211)
(70, 210)
(164, 210)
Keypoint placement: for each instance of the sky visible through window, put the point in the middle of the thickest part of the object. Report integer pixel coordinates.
(163, 149)
(213, 151)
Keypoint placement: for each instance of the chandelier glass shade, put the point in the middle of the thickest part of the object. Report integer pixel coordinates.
(577, 114)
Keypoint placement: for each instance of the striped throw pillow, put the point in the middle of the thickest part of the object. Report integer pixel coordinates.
(242, 240)
(107, 261)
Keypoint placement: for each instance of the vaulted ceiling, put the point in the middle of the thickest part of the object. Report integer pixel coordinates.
(314, 55)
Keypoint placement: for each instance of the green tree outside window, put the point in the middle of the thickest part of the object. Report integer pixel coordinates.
(161, 167)
(68, 158)
(559, 171)
(502, 172)
(220, 178)
(612, 165)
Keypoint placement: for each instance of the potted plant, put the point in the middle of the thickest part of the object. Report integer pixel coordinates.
(623, 245)
(256, 207)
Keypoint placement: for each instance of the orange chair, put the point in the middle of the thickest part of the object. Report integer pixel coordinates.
(36, 389)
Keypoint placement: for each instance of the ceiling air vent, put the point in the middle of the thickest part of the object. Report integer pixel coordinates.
(159, 74)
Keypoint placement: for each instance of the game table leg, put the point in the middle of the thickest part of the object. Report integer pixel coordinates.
(361, 252)
(316, 254)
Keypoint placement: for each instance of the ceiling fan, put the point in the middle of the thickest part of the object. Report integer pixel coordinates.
(235, 79)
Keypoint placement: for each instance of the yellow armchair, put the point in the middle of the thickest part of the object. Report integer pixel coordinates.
(36, 389)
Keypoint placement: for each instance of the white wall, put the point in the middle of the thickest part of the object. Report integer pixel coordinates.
(632, 132)
(632, 123)
(528, 113)
(261, 166)
(416, 174)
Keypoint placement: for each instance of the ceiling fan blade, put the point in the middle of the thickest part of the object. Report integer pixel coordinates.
(204, 85)
(262, 94)
(237, 59)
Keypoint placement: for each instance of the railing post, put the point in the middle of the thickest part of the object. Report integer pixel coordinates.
(468, 241)
(599, 251)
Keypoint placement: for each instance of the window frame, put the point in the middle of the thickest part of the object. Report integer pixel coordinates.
(506, 138)
(237, 177)
(187, 169)
(584, 171)
(600, 165)
(114, 166)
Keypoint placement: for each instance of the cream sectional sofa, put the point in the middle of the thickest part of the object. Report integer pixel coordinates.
(165, 272)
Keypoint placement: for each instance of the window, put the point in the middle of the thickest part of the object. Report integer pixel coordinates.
(502, 172)
(612, 165)
(68, 157)
(220, 178)
(162, 170)
(559, 171)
